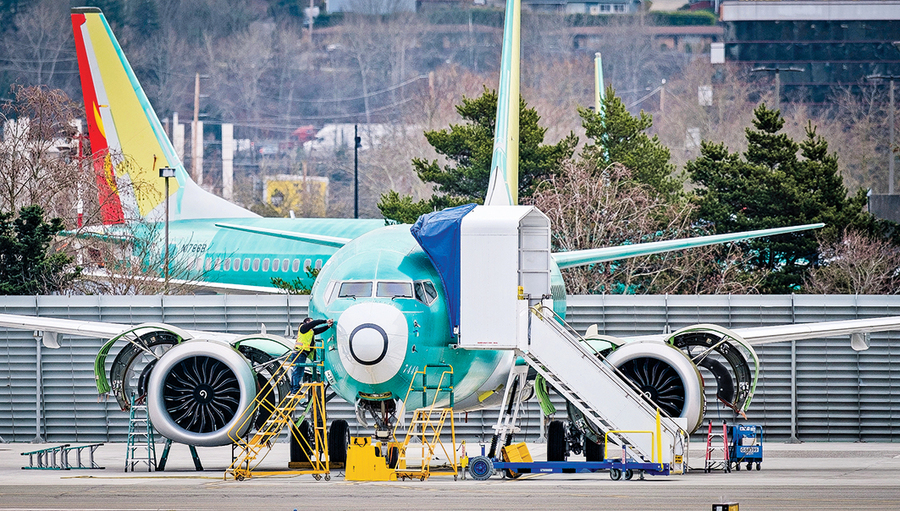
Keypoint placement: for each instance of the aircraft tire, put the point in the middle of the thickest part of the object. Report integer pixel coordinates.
(592, 450)
(338, 441)
(556, 441)
(298, 450)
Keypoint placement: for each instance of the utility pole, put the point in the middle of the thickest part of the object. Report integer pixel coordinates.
(166, 173)
(195, 171)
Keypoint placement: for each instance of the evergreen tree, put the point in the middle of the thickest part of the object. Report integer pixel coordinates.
(25, 266)
(619, 137)
(773, 186)
(469, 148)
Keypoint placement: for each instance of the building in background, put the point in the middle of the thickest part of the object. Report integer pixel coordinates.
(836, 43)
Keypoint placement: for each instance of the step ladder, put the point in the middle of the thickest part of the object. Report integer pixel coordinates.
(717, 457)
(141, 445)
(253, 448)
(606, 398)
(428, 422)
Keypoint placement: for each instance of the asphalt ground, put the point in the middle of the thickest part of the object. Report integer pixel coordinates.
(819, 476)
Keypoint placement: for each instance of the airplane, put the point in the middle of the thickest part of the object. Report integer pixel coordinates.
(396, 312)
(213, 243)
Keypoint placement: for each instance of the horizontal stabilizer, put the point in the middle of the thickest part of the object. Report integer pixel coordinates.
(599, 255)
(317, 239)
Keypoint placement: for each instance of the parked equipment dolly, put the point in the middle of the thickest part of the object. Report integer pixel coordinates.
(746, 446)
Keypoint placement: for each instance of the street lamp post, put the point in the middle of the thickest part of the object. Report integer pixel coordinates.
(166, 173)
(777, 71)
(891, 156)
(356, 144)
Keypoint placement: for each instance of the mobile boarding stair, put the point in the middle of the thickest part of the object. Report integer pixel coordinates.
(492, 315)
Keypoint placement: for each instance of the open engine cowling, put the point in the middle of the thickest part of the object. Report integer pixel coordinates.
(197, 390)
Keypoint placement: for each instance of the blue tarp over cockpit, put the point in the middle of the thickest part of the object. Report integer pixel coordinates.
(438, 234)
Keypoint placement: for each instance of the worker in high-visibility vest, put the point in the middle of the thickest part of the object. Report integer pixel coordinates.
(306, 334)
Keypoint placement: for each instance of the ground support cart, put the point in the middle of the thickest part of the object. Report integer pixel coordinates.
(482, 468)
(746, 446)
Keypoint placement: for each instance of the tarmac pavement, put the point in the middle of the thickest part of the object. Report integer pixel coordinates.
(826, 476)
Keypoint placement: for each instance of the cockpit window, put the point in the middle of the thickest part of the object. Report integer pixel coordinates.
(394, 290)
(355, 289)
(425, 292)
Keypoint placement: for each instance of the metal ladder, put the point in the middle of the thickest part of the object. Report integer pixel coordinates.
(140, 438)
(258, 445)
(716, 458)
(427, 424)
(606, 399)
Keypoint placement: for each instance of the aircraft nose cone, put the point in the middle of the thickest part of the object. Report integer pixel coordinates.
(371, 341)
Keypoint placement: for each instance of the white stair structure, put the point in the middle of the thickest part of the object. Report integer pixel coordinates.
(505, 303)
(606, 399)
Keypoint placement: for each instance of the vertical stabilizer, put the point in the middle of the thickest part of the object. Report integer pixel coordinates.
(503, 185)
(128, 143)
(598, 83)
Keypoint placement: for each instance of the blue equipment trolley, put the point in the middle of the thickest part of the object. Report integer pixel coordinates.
(746, 446)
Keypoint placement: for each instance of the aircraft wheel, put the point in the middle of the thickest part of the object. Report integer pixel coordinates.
(338, 440)
(592, 450)
(393, 456)
(556, 441)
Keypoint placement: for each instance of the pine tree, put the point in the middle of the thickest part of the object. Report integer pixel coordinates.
(468, 148)
(26, 268)
(619, 137)
(774, 186)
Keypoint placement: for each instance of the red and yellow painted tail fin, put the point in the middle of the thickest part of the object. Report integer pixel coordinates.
(127, 140)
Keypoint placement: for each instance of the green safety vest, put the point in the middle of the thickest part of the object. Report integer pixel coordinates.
(304, 341)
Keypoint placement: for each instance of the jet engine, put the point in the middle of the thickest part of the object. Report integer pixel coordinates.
(197, 391)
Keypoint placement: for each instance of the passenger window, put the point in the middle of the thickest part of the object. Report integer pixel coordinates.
(236, 264)
(318, 264)
(256, 264)
(284, 265)
(394, 290)
(246, 263)
(275, 264)
(218, 265)
(307, 265)
(296, 266)
(266, 264)
(355, 289)
(208, 263)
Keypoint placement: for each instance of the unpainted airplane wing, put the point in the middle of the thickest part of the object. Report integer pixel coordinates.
(599, 255)
(89, 328)
(757, 336)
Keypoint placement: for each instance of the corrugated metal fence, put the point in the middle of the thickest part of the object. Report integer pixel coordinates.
(836, 394)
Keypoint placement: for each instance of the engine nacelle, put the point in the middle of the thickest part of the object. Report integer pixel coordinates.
(666, 376)
(197, 391)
